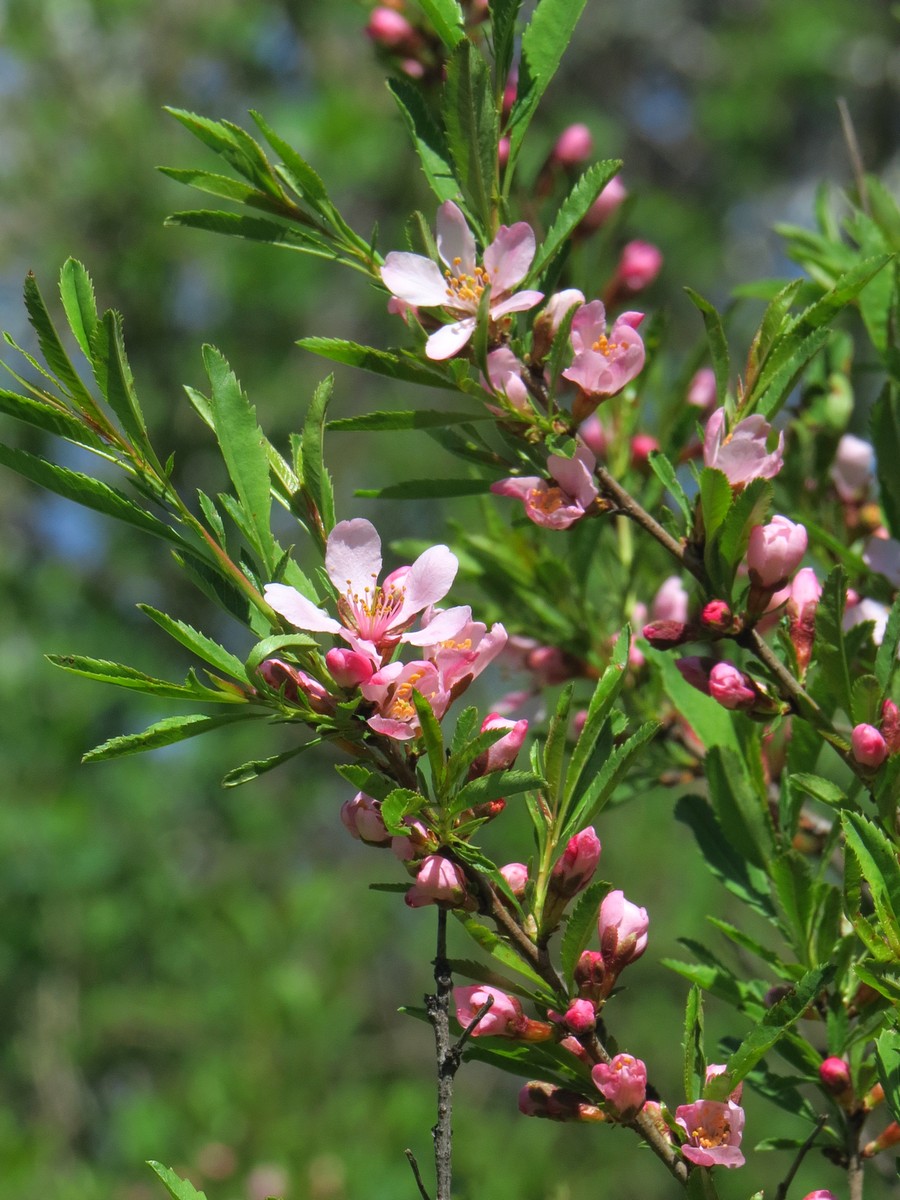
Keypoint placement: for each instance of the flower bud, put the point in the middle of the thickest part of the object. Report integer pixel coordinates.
(889, 1137)
(642, 446)
(590, 974)
(639, 265)
(575, 868)
(503, 147)
(538, 1099)
(362, 819)
(801, 610)
(774, 552)
(294, 684)
(731, 687)
(439, 881)
(820, 1194)
(695, 671)
(593, 435)
(671, 602)
(890, 726)
(623, 931)
(349, 668)
(581, 1017)
(516, 875)
(503, 752)
(869, 747)
(623, 1085)
(717, 616)
(663, 635)
(391, 30)
(834, 1075)
(574, 146)
(504, 1018)
(701, 391)
(853, 469)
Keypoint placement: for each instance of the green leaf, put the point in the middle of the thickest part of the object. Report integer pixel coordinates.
(503, 34)
(665, 473)
(413, 419)
(493, 786)
(726, 862)
(498, 949)
(233, 144)
(718, 343)
(470, 119)
(544, 42)
(178, 1189)
(251, 770)
(394, 364)
(431, 735)
(90, 493)
(77, 294)
(225, 187)
(866, 696)
(582, 922)
(52, 419)
(163, 733)
(781, 382)
(608, 687)
(428, 139)
(114, 378)
(769, 1028)
(446, 19)
(427, 489)
(773, 321)
(887, 1059)
(255, 229)
(315, 473)
(819, 789)
(831, 649)
(886, 657)
(198, 643)
(715, 500)
(130, 677)
(877, 861)
(52, 348)
(555, 745)
(305, 180)
(885, 426)
(600, 790)
(571, 213)
(694, 1074)
(243, 447)
(275, 645)
(750, 508)
(742, 815)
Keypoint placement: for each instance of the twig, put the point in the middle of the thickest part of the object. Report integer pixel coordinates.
(854, 1158)
(411, 1158)
(782, 1189)
(438, 1008)
(629, 507)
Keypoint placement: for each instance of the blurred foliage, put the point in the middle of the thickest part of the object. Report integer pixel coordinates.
(190, 973)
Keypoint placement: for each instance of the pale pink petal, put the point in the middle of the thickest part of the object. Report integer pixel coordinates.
(444, 625)
(400, 731)
(414, 278)
(632, 319)
(575, 474)
(301, 613)
(353, 555)
(446, 341)
(519, 487)
(509, 256)
(455, 240)
(587, 325)
(429, 580)
(519, 302)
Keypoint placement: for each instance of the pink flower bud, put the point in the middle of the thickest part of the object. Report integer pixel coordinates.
(503, 152)
(801, 610)
(580, 1017)
(504, 1018)
(890, 726)
(639, 265)
(695, 671)
(887, 1138)
(574, 146)
(294, 683)
(593, 435)
(869, 747)
(853, 468)
(623, 931)
(642, 446)
(590, 974)
(390, 29)
(834, 1074)
(663, 635)
(604, 206)
(503, 753)
(623, 1085)
(538, 1099)
(516, 875)
(731, 687)
(362, 819)
(701, 391)
(717, 616)
(820, 1194)
(575, 868)
(774, 552)
(349, 668)
(671, 602)
(439, 881)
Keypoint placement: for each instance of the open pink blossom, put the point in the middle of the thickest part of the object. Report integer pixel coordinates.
(714, 1132)
(623, 1084)
(458, 290)
(603, 364)
(374, 617)
(560, 506)
(743, 454)
(391, 690)
(461, 657)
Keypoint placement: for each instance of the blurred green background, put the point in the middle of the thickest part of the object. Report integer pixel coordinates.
(199, 975)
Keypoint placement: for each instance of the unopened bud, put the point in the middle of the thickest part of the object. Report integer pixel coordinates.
(546, 1100)
(575, 869)
(717, 616)
(623, 1084)
(869, 747)
(623, 931)
(639, 265)
(349, 668)
(603, 207)
(590, 974)
(362, 819)
(391, 30)
(663, 635)
(574, 146)
(701, 391)
(890, 1137)
(516, 875)
(439, 881)
(834, 1075)
(890, 726)
(642, 446)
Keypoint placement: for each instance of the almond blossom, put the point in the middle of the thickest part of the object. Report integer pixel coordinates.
(555, 507)
(391, 689)
(742, 454)
(418, 280)
(374, 617)
(714, 1131)
(603, 364)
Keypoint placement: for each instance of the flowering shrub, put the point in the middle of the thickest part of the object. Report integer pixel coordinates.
(781, 734)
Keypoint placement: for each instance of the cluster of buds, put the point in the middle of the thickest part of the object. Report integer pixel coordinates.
(409, 45)
(622, 928)
(773, 554)
(871, 746)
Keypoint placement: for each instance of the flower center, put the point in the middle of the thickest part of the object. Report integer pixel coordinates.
(605, 347)
(372, 612)
(547, 500)
(708, 1138)
(401, 707)
(465, 290)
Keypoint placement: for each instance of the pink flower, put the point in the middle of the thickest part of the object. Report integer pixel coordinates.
(717, 615)
(594, 436)
(505, 376)
(574, 146)
(642, 446)
(714, 1132)
(575, 868)
(374, 617)
(741, 455)
(671, 602)
(419, 280)
(623, 1084)
(774, 551)
(623, 931)
(853, 469)
(504, 1018)
(555, 507)
(503, 752)
(731, 687)
(834, 1074)
(362, 819)
(604, 365)
(438, 881)
(516, 875)
(882, 554)
(639, 265)
(581, 1017)
(391, 690)
(701, 391)
(462, 657)
(869, 747)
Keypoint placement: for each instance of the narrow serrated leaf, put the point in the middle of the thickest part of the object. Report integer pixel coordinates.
(77, 294)
(162, 733)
